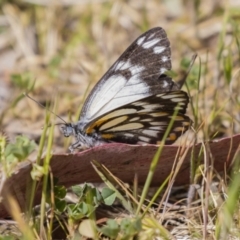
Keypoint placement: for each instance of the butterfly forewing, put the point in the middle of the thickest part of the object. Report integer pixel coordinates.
(137, 74)
(145, 121)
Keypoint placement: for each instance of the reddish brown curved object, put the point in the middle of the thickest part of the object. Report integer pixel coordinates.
(124, 161)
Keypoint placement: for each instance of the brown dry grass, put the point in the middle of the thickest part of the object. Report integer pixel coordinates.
(66, 46)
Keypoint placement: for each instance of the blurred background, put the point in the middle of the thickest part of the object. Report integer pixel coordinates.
(60, 49)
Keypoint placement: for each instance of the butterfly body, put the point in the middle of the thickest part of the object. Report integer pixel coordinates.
(134, 101)
(84, 140)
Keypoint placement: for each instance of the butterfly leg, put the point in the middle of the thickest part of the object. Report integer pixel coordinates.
(74, 146)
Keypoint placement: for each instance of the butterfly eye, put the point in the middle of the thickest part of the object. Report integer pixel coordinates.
(67, 130)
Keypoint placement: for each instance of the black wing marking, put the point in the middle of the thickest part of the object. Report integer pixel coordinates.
(137, 74)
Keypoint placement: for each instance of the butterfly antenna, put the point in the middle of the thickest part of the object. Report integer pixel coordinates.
(25, 94)
(182, 81)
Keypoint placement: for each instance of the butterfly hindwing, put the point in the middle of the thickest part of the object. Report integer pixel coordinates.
(145, 121)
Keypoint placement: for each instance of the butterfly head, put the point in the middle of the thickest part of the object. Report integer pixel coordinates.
(68, 129)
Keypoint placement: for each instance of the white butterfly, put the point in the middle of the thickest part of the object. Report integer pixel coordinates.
(134, 101)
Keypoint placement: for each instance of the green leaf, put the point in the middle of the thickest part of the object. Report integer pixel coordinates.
(53, 66)
(37, 172)
(24, 82)
(21, 149)
(91, 195)
(60, 191)
(7, 238)
(130, 227)
(60, 204)
(193, 74)
(74, 213)
(111, 229)
(87, 228)
(108, 196)
(80, 210)
(98, 197)
(78, 190)
(228, 63)
(84, 208)
(171, 73)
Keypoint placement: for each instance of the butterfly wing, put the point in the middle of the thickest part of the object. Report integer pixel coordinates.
(144, 121)
(137, 74)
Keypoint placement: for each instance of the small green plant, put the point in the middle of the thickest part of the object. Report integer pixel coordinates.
(125, 228)
(13, 153)
(23, 82)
